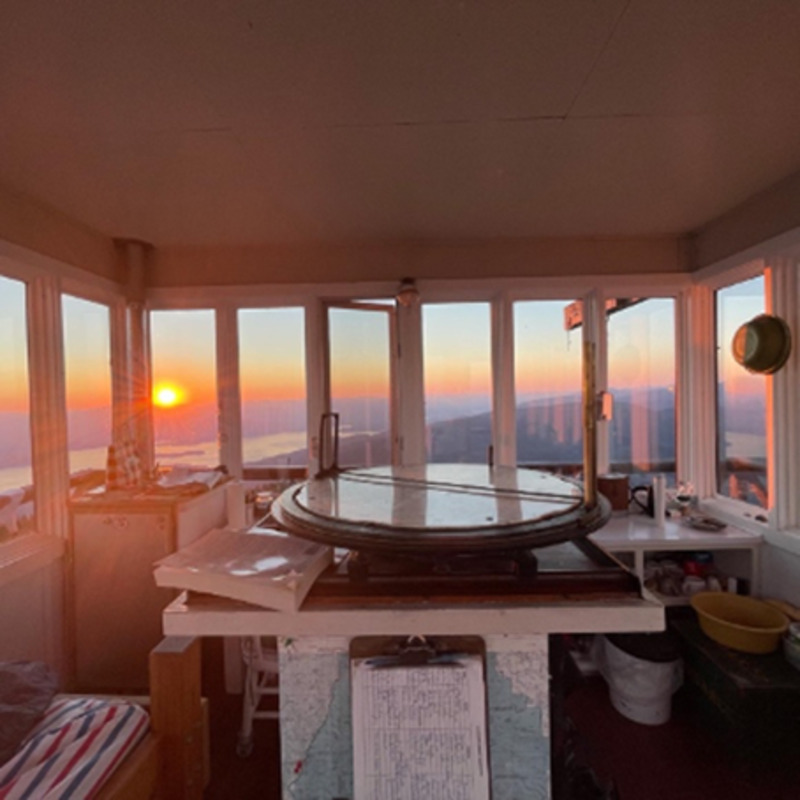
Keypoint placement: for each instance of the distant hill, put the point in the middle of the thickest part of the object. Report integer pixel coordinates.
(549, 431)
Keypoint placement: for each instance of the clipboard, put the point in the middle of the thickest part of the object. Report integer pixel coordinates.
(419, 718)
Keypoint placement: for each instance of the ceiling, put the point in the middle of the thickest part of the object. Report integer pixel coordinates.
(242, 122)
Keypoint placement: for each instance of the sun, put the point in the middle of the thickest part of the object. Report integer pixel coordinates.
(167, 395)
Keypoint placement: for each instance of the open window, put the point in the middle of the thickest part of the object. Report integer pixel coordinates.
(456, 340)
(548, 380)
(641, 377)
(360, 381)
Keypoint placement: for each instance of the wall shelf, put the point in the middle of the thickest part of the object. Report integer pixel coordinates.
(637, 535)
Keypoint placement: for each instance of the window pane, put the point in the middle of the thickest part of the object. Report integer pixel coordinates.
(87, 366)
(741, 401)
(548, 379)
(16, 476)
(272, 382)
(360, 384)
(458, 375)
(641, 376)
(183, 347)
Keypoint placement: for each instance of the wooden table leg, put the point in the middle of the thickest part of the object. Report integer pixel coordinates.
(178, 717)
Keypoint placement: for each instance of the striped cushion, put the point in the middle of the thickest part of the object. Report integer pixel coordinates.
(73, 750)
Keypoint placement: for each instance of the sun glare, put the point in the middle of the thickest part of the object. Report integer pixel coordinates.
(167, 395)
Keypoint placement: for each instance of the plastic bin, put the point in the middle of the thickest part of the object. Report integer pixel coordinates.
(642, 672)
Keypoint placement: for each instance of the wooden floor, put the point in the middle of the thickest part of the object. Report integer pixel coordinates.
(677, 761)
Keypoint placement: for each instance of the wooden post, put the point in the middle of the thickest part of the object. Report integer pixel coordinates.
(177, 717)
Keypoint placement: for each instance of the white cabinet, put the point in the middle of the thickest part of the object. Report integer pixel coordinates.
(636, 536)
(117, 606)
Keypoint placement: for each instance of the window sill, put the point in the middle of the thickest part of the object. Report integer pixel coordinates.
(27, 553)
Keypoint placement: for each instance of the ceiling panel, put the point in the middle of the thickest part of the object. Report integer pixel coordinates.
(247, 122)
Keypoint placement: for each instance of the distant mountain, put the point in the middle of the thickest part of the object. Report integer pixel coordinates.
(549, 431)
(16, 438)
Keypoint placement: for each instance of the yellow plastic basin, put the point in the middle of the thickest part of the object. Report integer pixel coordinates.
(741, 623)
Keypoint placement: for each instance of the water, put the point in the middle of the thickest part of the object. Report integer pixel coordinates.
(201, 454)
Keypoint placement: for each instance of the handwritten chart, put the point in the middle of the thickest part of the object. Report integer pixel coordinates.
(419, 732)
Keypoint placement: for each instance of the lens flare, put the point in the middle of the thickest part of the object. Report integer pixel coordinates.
(167, 395)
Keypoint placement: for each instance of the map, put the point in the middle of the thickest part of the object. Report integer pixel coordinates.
(317, 738)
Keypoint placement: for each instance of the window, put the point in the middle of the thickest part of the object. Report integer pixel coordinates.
(641, 377)
(360, 381)
(272, 387)
(87, 367)
(16, 476)
(741, 400)
(458, 379)
(548, 386)
(183, 347)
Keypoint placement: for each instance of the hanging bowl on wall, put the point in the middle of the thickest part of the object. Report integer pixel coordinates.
(763, 344)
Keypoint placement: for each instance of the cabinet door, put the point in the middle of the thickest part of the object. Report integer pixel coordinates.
(117, 604)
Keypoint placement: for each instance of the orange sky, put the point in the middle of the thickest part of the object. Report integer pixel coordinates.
(457, 352)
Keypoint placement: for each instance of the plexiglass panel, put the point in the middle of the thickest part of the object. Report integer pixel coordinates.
(458, 375)
(548, 377)
(741, 401)
(183, 348)
(641, 377)
(272, 382)
(87, 366)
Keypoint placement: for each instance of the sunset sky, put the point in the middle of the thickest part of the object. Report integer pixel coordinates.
(13, 347)
(87, 353)
(456, 349)
(184, 354)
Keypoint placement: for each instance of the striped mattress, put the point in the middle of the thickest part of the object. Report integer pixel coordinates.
(73, 749)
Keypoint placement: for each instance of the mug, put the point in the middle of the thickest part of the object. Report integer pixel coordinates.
(647, 504)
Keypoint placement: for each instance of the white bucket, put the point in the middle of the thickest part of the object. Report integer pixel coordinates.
(655, 710)
(640, 690)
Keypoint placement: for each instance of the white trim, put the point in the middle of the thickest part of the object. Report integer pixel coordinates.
(504, 412)
(48, 409)
(437, 290)
(19, 261)
(264, 295)
(788, 540)
(229, 430)
(738, 269)
(782, 278)
(782, 244)
(410, 390)
(99, 291)
(697, 400)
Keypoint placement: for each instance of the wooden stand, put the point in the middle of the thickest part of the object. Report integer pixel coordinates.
(172, 762)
